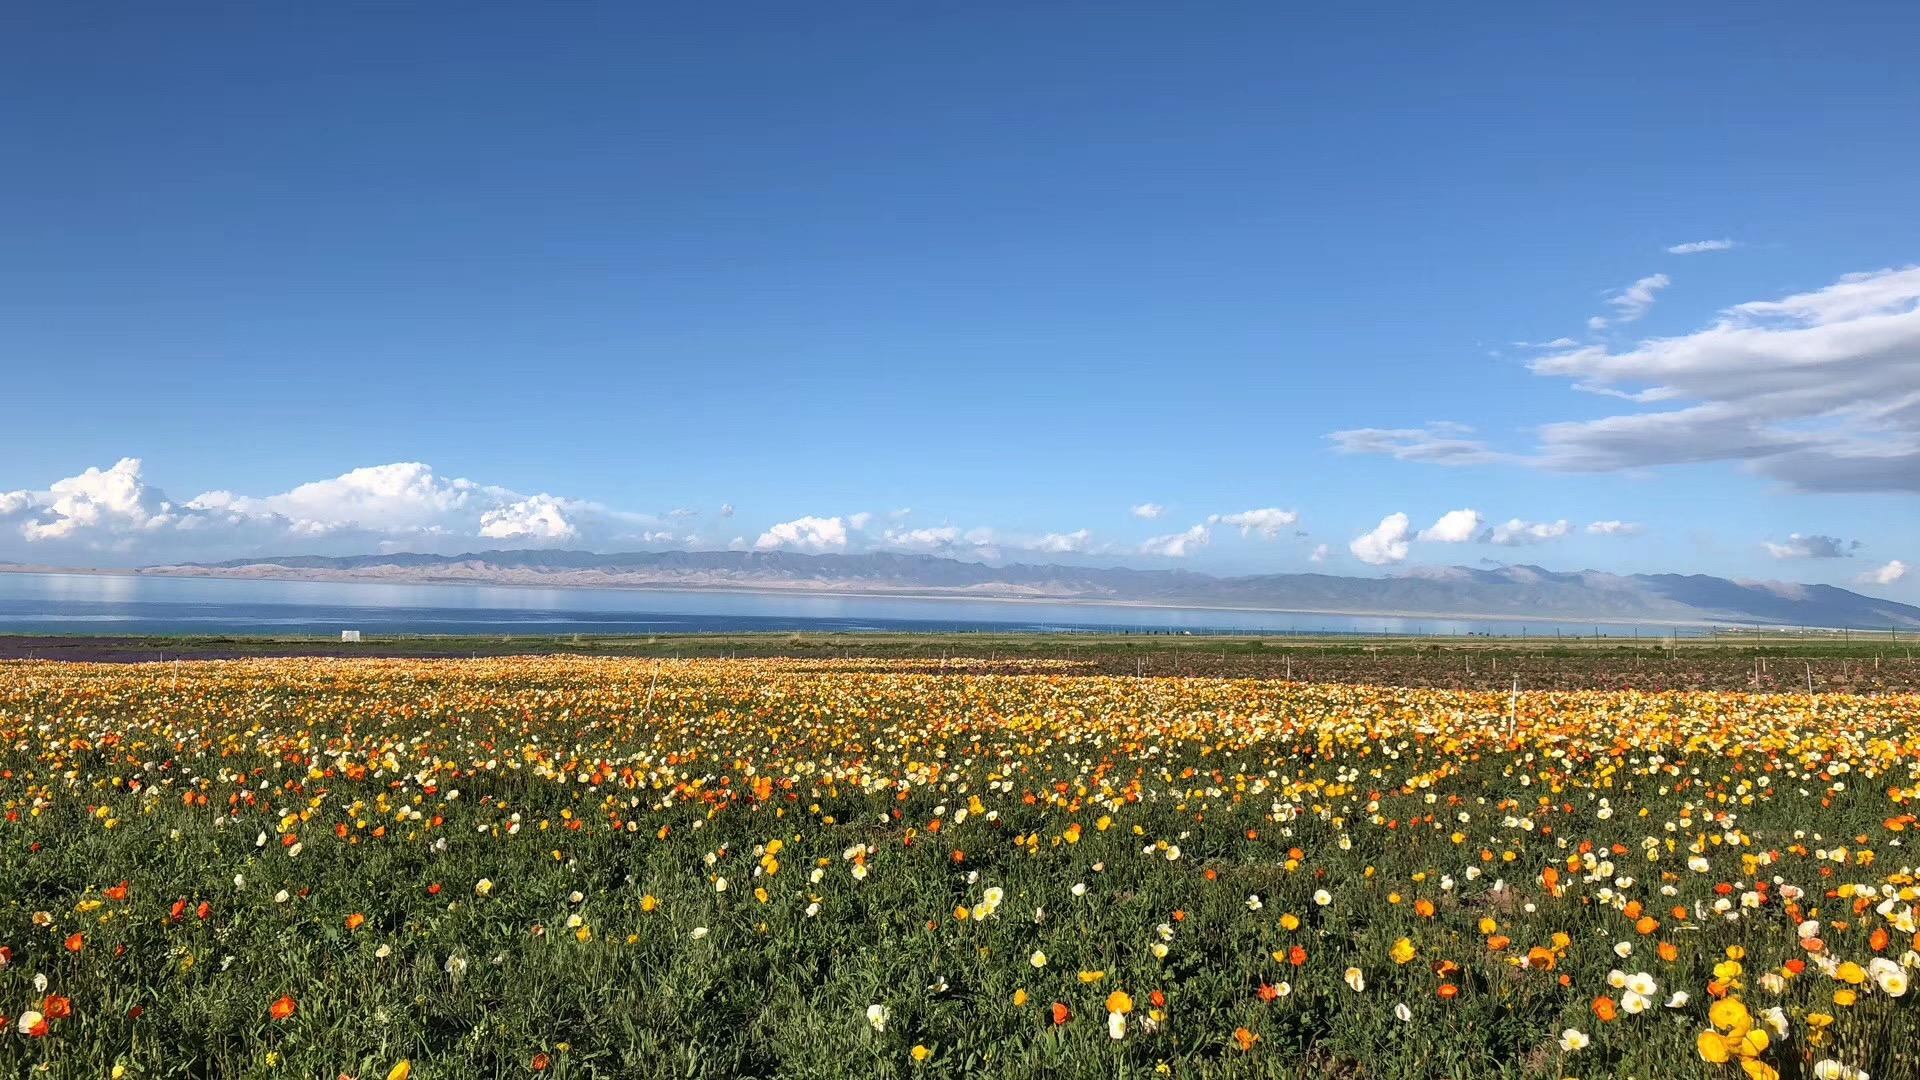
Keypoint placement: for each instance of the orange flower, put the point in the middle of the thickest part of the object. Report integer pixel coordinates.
(1646, 925)
(355, 921)
(1541, 957)
(75, 942)
(1605, 1009)
(541, 1061)
(1269, 992)
(1669, 951)
(1423, 908)
(1296, 956)
(115, 893)
(56, 1007)
(1448, 991)
(1060, 1014)
(1498, 942)
(1245, 1038)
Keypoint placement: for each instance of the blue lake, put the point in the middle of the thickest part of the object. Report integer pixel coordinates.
(114, 605)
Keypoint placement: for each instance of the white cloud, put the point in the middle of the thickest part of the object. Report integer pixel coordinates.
(810, 534)
(1812, 546)
(859, 520)
(683, 512)
(541, 517)
(1633, 301)
(1148, 510)
(1517, 532)
(1816, 390)
(1441, 442)
(1454, 527)
(1269, 522)
(1695, 247)
(1177, 545)
(1320, 553)
(1387, 543)
(1597, 323)
(98, 504)
(1884, 575)
(1064, 543)
(1615, 528)
(726, 510)
(931, 538)
(402, 497)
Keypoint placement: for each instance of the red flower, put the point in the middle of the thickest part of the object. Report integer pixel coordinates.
(283, 1008)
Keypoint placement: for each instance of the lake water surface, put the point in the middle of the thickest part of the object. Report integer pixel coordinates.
(115, 605)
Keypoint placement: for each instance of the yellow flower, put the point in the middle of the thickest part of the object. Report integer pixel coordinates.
(400, 1071)
(920, 1052)
(1119, 1002)
(1402, 951)
(1092, 976)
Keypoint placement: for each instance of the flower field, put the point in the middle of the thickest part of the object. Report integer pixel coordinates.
(608, 867)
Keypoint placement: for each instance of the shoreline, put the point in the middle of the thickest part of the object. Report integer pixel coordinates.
(1067, 601)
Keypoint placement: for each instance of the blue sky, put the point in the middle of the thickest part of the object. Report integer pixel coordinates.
(546, 274)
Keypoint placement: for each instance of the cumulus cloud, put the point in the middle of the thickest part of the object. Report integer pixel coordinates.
(859, 520)
(98, 504)
(809, 534)
(1695, 247)
(1454, 527)
(1816, 390)
(1064, 543)
(726, 510)
(541, 517)
(399, 506)
(1517, 532)
(1178, 545)
(1615, 528)
(1148, 511)
(1812, 546)
(1269, 522)
(1633, 301)
(1387, 543)
(1884, 575)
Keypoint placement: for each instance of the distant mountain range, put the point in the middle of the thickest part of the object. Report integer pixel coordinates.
(1519, 592)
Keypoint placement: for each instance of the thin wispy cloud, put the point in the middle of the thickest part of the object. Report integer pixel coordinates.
(1816, 390)
(1696, 247)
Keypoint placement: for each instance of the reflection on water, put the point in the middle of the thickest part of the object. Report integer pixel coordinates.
(124, 604)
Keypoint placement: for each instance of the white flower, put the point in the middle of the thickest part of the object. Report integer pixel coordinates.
(1079, 888)
(1038, 959)
(1322, 897)
(1574, 1039)
(1405, 1014)
(30, 1020)
(698, 932)
(1633, 1004)
(1830, 1069)
(877, 1016)
(1116, 1025)
(1356, 978)
(1253, 903)
(1679, 1000)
